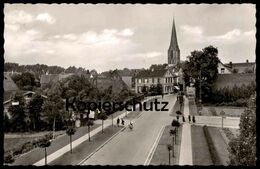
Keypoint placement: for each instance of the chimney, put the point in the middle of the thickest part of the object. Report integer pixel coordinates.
(247, 61)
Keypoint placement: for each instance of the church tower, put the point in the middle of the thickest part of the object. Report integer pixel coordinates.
(173, 51)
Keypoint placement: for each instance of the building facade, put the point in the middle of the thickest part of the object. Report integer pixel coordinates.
(147, 78)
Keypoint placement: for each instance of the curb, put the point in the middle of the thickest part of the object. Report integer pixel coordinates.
(154, 146)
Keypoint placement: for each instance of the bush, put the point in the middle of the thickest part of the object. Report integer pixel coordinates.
(9, 158)
(228, 133)
(27, 147)
(213, 152)
(241, 102)
(213, 111)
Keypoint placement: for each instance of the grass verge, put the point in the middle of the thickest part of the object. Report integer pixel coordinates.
(37, 154)
(213, 152)
(161, 154)
(200, 151)
(86, 148)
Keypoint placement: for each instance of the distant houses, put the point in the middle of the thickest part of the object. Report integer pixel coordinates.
(232, 74)
(245, 67)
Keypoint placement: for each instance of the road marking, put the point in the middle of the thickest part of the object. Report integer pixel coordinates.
(96, 150)
(154, 146)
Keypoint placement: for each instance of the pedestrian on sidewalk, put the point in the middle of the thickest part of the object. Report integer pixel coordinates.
(189, 118)
(183, 118)
(193, 119)
(118, 122)
(177, 117)
(122, 122)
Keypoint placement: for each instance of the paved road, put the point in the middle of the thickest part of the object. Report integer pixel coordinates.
(66, 148)
(133, 147)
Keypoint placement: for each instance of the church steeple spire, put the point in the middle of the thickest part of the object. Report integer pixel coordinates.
(173, 51)
(174, 41)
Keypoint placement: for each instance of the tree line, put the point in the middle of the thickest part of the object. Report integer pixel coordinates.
(236, 95)
(42, 114)
(39, 69)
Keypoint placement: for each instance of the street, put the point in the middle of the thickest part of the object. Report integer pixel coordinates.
(133, 147)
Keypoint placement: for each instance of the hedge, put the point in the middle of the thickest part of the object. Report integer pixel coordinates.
(213, 152)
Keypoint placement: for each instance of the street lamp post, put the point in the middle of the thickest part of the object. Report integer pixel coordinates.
(200, 89)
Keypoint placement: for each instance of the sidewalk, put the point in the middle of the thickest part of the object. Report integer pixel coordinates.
(186, 144)
(80, 140)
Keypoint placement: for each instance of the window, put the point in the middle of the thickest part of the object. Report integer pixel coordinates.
(166, 79)
(142, 80)
(139, 80)
(222, 70)
(158, 80)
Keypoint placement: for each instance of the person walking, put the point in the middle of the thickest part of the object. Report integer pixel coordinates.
(122, 122)
(189, 119)
(193, 119)
(118, 122)
(183, 118)
(131, 125)
(177, 117)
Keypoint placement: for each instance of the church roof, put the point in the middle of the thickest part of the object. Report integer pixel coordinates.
(174, 42)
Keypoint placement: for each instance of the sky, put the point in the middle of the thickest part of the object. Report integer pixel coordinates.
(105, 37)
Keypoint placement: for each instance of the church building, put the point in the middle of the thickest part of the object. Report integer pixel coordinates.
(169, 77)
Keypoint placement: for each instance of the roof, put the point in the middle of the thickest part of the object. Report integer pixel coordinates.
(9, 84)
(52, 78)
(105, 82)
(26, 93)
(150, 73)
(31, 92)
(244, 64)
(226, 66)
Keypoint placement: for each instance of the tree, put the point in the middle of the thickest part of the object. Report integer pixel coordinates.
(159, 89)
(144, 89)
(89, 124)
(178, 112)
(242, 150)
(44, 143)
(103, 117)
(71, 131)
(173, 134)
(18, 113)
(24, 81)
(202, 66)
(6, 123)
(169, 148)
(35, 110)
(152, 89)
(175, 124)
(53, 109)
